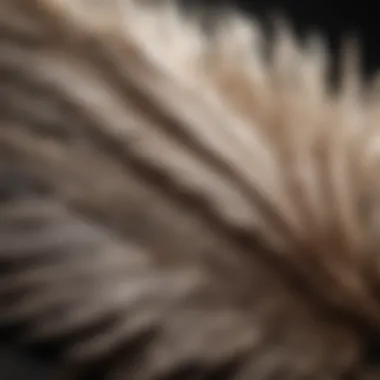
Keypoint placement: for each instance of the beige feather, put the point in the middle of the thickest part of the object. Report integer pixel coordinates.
(176, 201)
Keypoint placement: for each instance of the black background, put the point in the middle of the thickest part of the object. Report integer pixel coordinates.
(333, 19)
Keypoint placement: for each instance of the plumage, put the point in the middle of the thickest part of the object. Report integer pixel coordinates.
(181, 203)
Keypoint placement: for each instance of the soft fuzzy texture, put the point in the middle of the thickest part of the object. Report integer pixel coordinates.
(179, 201)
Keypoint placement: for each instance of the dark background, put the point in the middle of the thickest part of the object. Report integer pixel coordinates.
(332, 18)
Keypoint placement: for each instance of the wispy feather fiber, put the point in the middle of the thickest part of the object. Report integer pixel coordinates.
(180, 203)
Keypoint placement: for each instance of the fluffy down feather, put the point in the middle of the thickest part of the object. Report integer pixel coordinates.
(178, 204)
